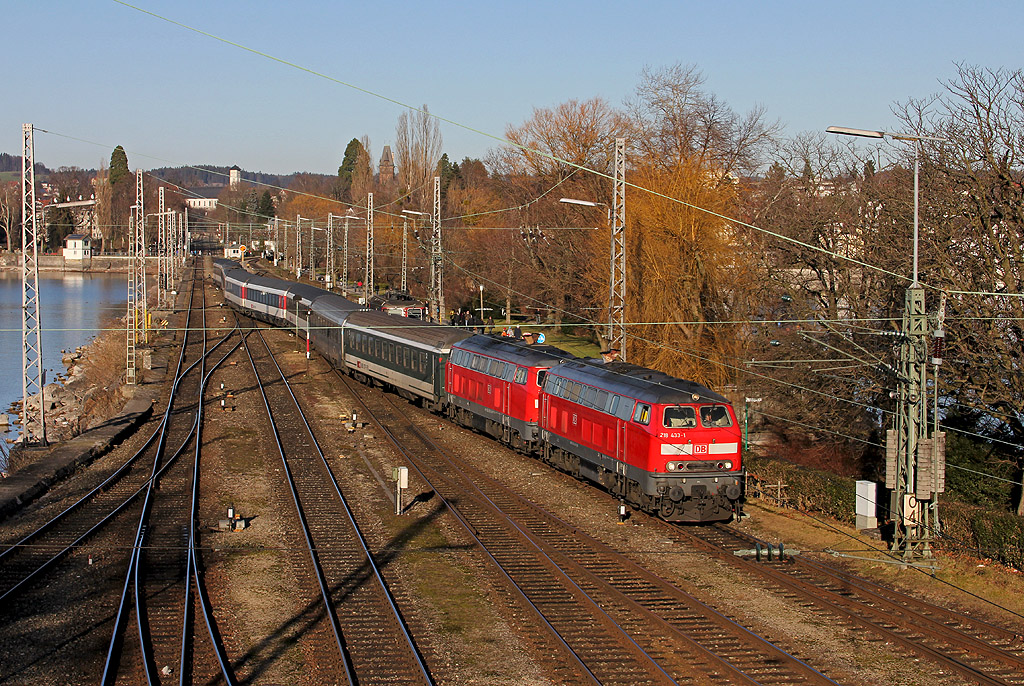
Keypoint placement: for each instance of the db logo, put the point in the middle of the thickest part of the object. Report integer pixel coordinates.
(574, 420)
(700, 450)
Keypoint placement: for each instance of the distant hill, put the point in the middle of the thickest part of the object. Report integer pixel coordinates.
(193, 176)
(12, 163)
(214, 175)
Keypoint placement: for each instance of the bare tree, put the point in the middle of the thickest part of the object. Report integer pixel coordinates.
(418, 146)
(675, 119)
(567, 267)
(687, 149)
(10, 211)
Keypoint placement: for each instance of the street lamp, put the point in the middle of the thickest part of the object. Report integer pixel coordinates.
(481, 307)
(867, 133)
(914, 474)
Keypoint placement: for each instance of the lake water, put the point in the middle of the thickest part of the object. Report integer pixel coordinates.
(73, 308)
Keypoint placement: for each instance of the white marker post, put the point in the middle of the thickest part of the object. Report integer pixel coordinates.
(400, 475)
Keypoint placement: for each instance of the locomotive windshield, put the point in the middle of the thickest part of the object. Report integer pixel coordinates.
(680, 417)
(715, 416)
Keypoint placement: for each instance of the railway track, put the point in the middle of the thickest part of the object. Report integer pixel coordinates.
(100, 521)
(372, 642)
(978, 651)
(157, 588)
(609, 620)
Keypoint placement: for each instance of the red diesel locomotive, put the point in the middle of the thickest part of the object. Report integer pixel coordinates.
(665, 445)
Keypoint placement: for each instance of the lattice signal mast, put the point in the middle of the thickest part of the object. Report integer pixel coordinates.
(161, 250)
(32, 380)
(298, 246)
(436, 257)
(132, 319)
(617, 291)
(368, 283)
(329, 267)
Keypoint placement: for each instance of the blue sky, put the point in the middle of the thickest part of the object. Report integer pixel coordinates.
(108, 74)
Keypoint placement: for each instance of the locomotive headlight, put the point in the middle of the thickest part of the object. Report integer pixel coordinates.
(728, 465)
(671, 466)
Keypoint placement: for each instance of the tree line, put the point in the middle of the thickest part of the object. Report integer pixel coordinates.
(772, 266)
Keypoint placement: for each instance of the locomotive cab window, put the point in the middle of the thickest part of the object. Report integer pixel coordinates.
(520, 376)
(715, 416)
(642, 414)
(680, 418)
(541, 373)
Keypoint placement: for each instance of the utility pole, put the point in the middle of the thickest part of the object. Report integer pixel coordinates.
(132, 320)
(32, 380)
(298, 246)
(344, 266)
(277, 239)
(140, 257)
(161, 248)
(436, 258)
(915, 464)
(329, 266)
(312, 251)
(617, 291)
(368, 282)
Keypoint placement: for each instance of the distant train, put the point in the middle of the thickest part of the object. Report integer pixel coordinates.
(667, 446)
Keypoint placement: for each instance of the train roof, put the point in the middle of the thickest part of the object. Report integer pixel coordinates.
(517, 351)
(394, 298)
(334, 307)
(261, 281)
(303, 292)
(414, 330)
(638, 382)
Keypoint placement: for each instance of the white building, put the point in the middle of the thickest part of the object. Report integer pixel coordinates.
(235, 251)
(77, 246)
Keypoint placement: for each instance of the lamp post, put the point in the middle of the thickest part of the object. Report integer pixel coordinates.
(914, 460)
(867, 133)
(481, 307)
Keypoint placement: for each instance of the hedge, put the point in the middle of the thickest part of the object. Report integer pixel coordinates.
(985, 533)
(805, 489)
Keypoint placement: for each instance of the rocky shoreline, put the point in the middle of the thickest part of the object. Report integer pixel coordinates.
(89, 392)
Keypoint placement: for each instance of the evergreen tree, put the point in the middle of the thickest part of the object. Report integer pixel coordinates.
(348, 167)
(118, 166)
(266, 206)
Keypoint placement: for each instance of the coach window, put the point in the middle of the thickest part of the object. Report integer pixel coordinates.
(715, 416)
(680, 418)
(642, 414)
(574, 391)
(520, 376)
